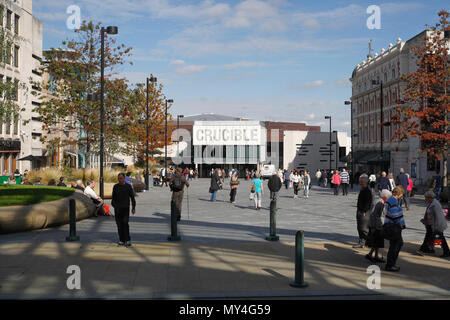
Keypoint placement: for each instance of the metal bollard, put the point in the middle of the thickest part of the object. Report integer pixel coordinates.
(173, 224)
(73, 222)
(299, 261)
(273, 225)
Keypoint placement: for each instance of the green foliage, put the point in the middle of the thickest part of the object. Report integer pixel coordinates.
(24, 195)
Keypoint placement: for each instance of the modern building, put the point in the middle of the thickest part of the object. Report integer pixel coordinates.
(376, 88)
(20, 137)
(214, 141)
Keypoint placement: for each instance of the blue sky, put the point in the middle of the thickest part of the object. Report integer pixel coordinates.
(279, 60)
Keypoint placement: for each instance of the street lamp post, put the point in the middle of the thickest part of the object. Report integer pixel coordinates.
(108, 30)
(180, 116)
(329, 117)
(165, 138)
(337, 149)
(147, 184)
(380, 82)
(351, 134)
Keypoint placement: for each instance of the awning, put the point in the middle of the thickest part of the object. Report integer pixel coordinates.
(30, 158)
(372, 157)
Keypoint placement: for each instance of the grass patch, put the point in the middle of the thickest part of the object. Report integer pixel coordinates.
(13, 195)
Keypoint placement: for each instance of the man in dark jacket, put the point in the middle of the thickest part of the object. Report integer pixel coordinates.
(61, 182)
(402, 180)
(121, 195)
(215, 184)
(274, 186)
(383, 183)
(364, 207)
(176, 184)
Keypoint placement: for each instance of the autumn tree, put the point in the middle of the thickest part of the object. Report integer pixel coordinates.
(135, 142)
(424, 106)
(74, 72)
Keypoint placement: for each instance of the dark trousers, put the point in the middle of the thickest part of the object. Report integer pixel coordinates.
(286, 184)
(122, 215)
(345, 189)
(395, 245)
(428, 242)
(177, 200)
(336, 189)
(295, 184)
(405, 200)
(233, 193)
(362, 221)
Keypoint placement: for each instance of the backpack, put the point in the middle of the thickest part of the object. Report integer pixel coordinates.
(177, 184)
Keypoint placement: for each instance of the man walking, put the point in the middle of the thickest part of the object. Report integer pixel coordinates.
(364, 207)
(177, 183)
(287, 178)
(345, 180)
(121, 195)
(318, 176)
(325, 178)
(402, 180)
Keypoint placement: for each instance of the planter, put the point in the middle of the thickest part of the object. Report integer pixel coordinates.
(43, 215)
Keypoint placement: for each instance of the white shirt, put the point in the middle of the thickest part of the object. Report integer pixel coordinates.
(372, 178)
(391, 181)
(90, 193)
(295, 178)
(318, 174)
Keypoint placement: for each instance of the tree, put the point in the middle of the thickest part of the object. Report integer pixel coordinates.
(424, 107)
(135, 121)
(9, 89)
(73, 73)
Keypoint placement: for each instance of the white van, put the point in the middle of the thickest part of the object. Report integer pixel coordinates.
(268, 170)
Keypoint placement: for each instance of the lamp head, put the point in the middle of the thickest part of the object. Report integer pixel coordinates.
(347, 102)
(327, 117)
(169, 101)
(112, 30)
(153, 79)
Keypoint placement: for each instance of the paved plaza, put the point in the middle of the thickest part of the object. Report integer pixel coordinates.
(223, 252)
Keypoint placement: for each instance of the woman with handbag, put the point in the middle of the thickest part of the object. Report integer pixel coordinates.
(234, 183)
(375, 238)
(435, 224)
(215, 184)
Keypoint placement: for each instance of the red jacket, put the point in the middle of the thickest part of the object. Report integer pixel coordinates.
(336, 179)
(410, 185)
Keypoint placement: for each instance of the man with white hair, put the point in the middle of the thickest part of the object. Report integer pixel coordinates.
(364, 206)
(89, 191)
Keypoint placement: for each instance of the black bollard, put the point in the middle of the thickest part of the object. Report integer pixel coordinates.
(73, 222)
(173, 224)
(273, 225)
(299, 262)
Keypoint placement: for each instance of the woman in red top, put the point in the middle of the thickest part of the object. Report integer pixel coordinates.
(336, 179)
(409, 187)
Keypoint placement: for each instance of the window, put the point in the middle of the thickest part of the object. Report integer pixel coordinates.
(16, 126)
(8, 19)
(8, 126)
(393, 74)
(8, 54)
(16, 24)
(8, 92)
(385, 77)
(16, 56)
(2, 11)
(1, 86)
(16, 90)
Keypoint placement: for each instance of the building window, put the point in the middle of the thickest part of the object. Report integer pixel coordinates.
(393, 74)
(16, 56)
(16, 90)
(16, 24)
(16, 126)
(8, 126)
(8, 93)
(385, 77)
(8, 19)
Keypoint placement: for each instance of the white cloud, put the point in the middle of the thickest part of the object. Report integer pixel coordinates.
(176, 63)
(314, 84)
(244, 64)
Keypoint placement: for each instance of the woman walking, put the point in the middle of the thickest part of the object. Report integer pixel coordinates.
(375, 238)
(336, 179)
(295, 182)
(391, 181)
(234, 183)
(306, 184)
(435, 224)
(215, 184)
(257, 185)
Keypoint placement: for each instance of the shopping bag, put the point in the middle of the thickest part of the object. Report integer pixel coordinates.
(106, 208)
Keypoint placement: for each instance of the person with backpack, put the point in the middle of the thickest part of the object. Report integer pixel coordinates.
(176, 183)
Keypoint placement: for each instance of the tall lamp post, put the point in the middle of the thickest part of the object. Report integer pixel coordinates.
(329, 117)
(380, 83)
(180, 116)
(108, 30)
(337, 149)
(351, 134)
(147, 185)
(165, 138)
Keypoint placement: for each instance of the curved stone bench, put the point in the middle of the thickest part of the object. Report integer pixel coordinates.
(44, 215)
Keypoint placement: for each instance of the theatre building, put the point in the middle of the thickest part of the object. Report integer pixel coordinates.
(210, 141)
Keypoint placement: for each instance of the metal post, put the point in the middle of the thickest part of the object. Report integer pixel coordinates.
(73, 222)
(165, 144)
(102, 111)
(273, 224)
(173, 224)
(147, 185)
(381, 125)
(299, 261)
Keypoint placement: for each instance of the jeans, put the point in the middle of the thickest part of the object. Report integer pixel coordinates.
(213, 195)
(286, 183)
(257, 198)
(395, 245)
(306, 190)
(345, 189)
(122, 215)
(362, 221)
(296, 188)
(428, 241)
(233, 193)
(325, 182)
